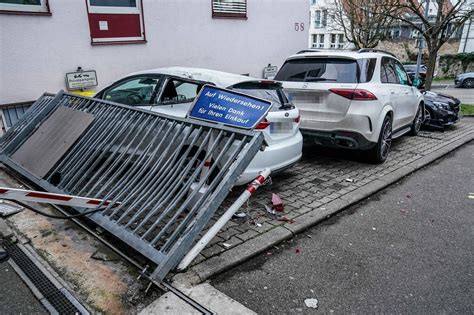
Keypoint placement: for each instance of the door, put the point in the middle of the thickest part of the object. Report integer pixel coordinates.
(176, 97)
(408, 97)
(392, 88)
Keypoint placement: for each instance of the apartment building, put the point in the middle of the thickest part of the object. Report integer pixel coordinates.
(42, 40)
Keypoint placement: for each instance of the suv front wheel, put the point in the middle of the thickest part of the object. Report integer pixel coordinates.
(379, 153)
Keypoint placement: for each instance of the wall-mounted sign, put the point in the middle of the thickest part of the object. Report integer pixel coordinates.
(269, 72)
(229, 108)
(81, 79)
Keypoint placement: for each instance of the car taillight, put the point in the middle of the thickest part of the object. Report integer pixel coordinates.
(297, 119)
(263, 124)
(355, 94)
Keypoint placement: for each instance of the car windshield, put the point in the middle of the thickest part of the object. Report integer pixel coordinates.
(271, 92)
(319, 70)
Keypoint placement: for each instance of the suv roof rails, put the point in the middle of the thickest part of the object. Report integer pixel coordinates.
(307, 50)
(366, 50)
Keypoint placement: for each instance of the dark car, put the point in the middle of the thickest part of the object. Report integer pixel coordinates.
(440, 109)
(411, 71)
(465, 80)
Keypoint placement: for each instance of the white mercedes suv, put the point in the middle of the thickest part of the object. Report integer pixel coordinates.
(353, 99)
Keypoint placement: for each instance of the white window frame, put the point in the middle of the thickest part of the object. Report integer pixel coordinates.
(43, 8)
(317, 22)
(138, 9)
(115, 10)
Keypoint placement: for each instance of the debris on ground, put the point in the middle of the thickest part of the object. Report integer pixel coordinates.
(311, 303)
(240, 215)
(277, 203)
(7, 208)
(350, 180)
(285, 219)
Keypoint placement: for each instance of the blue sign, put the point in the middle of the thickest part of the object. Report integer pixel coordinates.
(229, 107)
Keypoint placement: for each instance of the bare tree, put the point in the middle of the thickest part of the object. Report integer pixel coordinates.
(362, 21)
(436, 30)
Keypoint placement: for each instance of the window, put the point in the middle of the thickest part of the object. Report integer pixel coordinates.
(387, 71)
(318, 41)
(116, 21)
(317, 19)
(333, 41)
(177, 91)
(271, 92)
(319, 70)
(229, 9)
(324, 18)
(134, 92)
(366, 69)
(340, 44)
(401, 73)
(39, 7)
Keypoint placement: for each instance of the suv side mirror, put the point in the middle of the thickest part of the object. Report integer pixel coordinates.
(416, 82)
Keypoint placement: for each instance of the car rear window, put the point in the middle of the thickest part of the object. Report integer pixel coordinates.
(271, 92)
(337, 70)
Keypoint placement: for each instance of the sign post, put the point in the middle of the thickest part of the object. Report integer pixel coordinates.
(229, 107)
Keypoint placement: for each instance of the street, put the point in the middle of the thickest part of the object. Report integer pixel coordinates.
(465, 95)
(407, 249)
(15, 296)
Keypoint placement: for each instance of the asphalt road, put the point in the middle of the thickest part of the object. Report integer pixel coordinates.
(408, 249)
(15, 296)
(465, 95)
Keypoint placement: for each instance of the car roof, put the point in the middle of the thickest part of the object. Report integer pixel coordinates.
(338, 53)
(219, 78)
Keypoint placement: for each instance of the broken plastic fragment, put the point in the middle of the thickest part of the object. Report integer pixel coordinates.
(350, 180)
(226, 245)
(312, 303)
(277, 203)
(285, 219)
(240, 215)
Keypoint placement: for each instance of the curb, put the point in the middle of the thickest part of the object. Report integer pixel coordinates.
(228, 259)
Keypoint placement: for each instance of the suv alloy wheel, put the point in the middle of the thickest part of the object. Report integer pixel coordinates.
(379, 153)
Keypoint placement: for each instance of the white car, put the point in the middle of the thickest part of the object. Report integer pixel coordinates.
(353, 99)
(172, 90)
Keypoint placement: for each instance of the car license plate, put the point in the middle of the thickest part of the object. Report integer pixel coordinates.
(280, 127)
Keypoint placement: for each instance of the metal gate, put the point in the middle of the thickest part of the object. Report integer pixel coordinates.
(166, 176)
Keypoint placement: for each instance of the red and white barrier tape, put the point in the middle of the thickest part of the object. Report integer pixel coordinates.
(46, 197)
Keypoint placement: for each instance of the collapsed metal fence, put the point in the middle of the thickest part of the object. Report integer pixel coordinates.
(165, 176)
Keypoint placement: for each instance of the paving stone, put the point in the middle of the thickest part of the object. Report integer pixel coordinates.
(317, 185)
(247, 235)
(212, 251)
(233, 241)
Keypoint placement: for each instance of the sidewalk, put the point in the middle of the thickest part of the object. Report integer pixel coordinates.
(323, 183)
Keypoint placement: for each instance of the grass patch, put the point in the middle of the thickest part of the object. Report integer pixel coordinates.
(467, 109)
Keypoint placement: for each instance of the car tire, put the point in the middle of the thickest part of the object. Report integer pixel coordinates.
(417, 121)
(379, 153)
(468, 83)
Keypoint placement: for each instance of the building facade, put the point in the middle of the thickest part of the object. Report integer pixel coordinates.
(324, 32)
(42, 40)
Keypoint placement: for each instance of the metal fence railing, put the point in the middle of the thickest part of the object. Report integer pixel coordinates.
(169, 175)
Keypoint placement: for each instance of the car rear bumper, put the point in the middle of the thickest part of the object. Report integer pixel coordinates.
(277, 157)
(338, 139)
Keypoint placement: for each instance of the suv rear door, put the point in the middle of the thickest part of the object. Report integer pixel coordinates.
(307, 80)
(392, 87)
